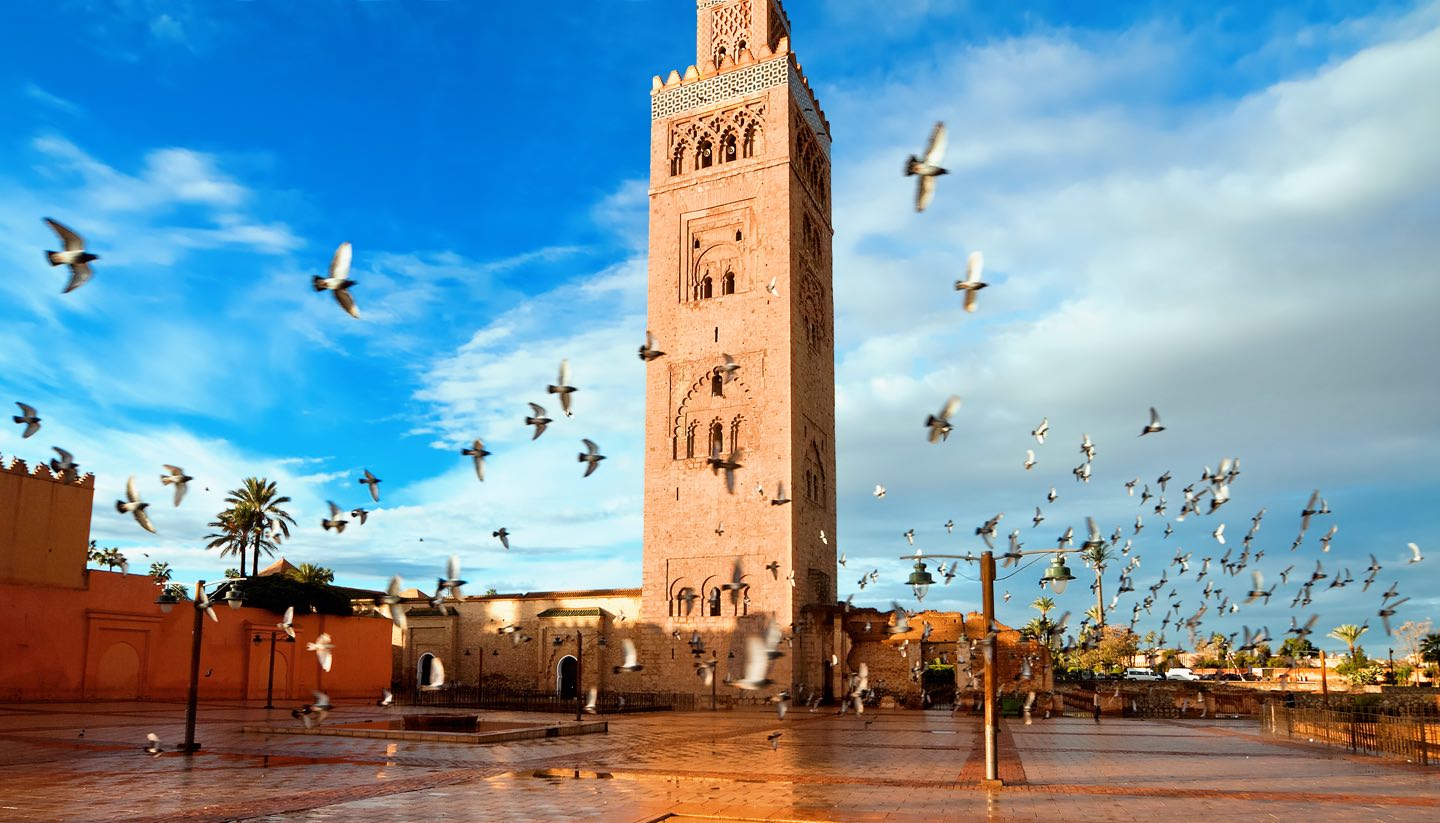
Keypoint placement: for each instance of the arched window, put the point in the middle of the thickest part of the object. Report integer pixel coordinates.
(717, 386)
(707, 288)
(717, 438)
(727, 283)
(749, 144)
(704, 157)
(735, 426)
(677, 160)
(715, 602)
(727, 149)
(690, 439)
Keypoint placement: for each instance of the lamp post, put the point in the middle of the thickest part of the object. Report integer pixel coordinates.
(202, 604)
(270, 676)
(1057, 575)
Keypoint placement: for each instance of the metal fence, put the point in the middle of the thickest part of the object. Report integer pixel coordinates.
(1415, 738)
(488, 697)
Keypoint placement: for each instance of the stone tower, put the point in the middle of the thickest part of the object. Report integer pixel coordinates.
(740, 199)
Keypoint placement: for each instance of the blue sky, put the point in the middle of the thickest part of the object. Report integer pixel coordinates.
(1224, 213)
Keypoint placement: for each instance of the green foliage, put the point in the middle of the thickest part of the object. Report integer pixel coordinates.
(177, 591)
(1349, 634)
(1117, 646)
(1403, 673)
(160, 573)
(491, 592)
(278, 592)
(1298, 648)
(233, 574)
(1361, 672)
(312, 574)
(1430, 648)
(254, 521)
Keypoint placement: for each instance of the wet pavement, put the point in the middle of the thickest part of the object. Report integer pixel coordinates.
(85, 762)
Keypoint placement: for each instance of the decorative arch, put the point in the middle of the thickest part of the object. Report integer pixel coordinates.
(713, 267)
(699, 404)
(567, 677)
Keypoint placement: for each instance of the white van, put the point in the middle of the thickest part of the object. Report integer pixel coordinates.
(1181, 674)
(1141, 674)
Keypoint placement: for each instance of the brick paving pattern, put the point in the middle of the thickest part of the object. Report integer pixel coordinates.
(892, 766)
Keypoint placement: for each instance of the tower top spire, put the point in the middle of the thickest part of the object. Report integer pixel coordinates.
(725, 28)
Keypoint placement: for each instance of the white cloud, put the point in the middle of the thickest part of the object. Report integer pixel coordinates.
(54, 101)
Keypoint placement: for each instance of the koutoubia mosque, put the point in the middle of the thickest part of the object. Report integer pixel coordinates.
(741, 300)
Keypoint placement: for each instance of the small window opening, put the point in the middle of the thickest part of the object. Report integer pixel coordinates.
(696, 244)
(717, 334)
(717, 438)
(738, 236)
(727, 283)
(704, 157)
(728, 153)
(707, 288)
(717, 386)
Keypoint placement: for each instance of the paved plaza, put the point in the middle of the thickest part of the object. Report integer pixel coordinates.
(85, 762)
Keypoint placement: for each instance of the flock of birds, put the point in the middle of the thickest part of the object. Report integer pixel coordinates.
(1205, 497)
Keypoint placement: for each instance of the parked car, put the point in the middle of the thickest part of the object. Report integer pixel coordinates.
(1232, 676)
(1181, 674)
(1141, 674)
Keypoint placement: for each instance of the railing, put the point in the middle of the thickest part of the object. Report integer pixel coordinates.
(489, 697)
(1416, 738)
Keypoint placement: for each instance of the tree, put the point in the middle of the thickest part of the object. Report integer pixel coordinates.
(1430, 649)
(233, 574)
(160, 573)
(228, 537)
(1349, 634)
(1298, 648)
(1408, 637)
(1096, 556)
(312, 575)
(257, 518)
(1211, 653)
(1044, 605)
(1117, 647)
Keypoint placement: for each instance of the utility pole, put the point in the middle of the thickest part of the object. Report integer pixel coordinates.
(193, 699)
(579, 671)
(987, 585)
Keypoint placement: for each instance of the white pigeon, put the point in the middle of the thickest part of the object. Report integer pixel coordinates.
(1219, 534)
(1041, 430)
(972, 284)
(773, 288)
(630, 657)
(285, 622)
(879, 490)
(1029, 459)
(323, 649)
(339, 281)
(1415, 550)
(928, 167)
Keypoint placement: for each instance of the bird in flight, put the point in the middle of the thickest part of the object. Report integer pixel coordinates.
(1414, 552)
(323, 649)
(178, 478)
(75, 256)
(591, 455)
(563, 388)
(939, 425)
(650, 349)
(339, 281)
(972, 284)
(879, 490)
(1041, 430)
(335, 521)
(928, 167)
(537, 419)
(504, 535)
(133, 505)
(478, 454)
(65, 467)
(29, 418)
(153, 746)
(374, 483)
(1154, 425)
(629, 658)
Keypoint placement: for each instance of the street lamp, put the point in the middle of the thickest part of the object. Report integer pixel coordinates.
(920, 580)
(1057, 575)
(270, 677)
(202, 605)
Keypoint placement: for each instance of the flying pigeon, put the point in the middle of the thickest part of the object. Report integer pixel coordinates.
(725, 464)
(29, 418)
(285, 622)
(65, 467)
(177, 478)
(928, 167)
(727, 369)
(650, 349)
(537, 419)
(386, 698)
(564, 389)
(1041, 430)
(1029, 459)
(391, 598)
(1154, 425)
(478, 454)
(360, 514)
(334, 522)
(972, 284)
(630, 662)
(1415, 552)
(132, 505)
(781, 498)
(374, 483)
(939, 425)
(323, 649)
(338, 281)
(451, 580)
(773, 287)
(153, 747)
(591, 455)
(73, 256)
(879, 490)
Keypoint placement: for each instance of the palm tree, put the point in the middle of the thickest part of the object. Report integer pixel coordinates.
(1430, 648)
(312, 574)
(228, 537)
(1043, 605)
(1349, 634)
(161, 573)
(255, 510)
(1096, 555)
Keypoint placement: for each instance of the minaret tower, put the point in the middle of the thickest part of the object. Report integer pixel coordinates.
(740, 200)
